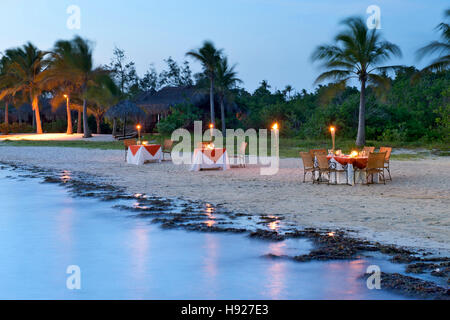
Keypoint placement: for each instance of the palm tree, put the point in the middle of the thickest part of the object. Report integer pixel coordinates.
(356, 54)
(440, 47)
(226, 80)
(103, 95)
(26, 71)
(3, 85)
(77, 66)
(209, 57)
(287, 90)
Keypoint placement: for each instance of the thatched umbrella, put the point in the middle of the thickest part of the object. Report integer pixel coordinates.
(124, 110)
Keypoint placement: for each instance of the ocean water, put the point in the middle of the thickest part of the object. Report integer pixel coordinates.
(44, 230)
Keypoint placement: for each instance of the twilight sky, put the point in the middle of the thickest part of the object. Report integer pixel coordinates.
(269, 39)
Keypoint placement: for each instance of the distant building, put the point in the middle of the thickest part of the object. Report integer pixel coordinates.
(157, 104)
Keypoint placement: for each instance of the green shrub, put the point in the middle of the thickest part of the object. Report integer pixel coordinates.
(16, 128)
(181, 116)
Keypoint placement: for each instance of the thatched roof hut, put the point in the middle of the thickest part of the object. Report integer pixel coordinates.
(159, 102)
(125, 110)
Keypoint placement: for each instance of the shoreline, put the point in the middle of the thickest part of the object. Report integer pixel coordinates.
(328, 244)
(402, 213)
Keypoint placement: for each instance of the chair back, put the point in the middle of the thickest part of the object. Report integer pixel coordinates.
(129, 142)
(243, 148)
(376, 160)
(388, 151)
(322, 161)
(368, 150)
(307, 159)
(168, 144)
(314, 152)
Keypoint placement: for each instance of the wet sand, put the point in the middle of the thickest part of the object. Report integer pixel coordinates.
(412, 210)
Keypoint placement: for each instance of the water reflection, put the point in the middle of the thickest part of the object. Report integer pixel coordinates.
(276, 273)
(210, 264)
(65, 176)
(209, 211)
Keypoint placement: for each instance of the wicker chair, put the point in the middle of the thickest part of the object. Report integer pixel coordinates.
(375, 165)
(322, 167)
(388, 151)
(308, 165)
(127, 143)
(167, 147)
(368, 150)
(240, 156)
(314, 152)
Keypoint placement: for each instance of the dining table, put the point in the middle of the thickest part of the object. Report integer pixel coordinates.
(206, 158)
(140, 154)
(346, 165)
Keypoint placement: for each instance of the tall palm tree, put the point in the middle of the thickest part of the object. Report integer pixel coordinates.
(287, 90)
(77, 66)
(103, 95)
(209, 57)
(26, 71)
(442, 48)
(4, 85)
(226, 80)
(356, 54)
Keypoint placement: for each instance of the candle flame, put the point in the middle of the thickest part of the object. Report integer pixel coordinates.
(138, 127)
(332, 129)
(354, 154)
(275, 126)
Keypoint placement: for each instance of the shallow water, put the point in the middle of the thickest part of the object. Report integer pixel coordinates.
(43, 230)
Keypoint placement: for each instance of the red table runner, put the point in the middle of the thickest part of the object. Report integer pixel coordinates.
(213, 154)
(359, 162)
(152, 149)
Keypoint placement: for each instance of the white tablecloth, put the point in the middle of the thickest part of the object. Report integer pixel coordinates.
(138, 155)
(346, 177)
(208, 159)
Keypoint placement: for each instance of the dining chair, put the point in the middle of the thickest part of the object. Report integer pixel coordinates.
(375, 165)
(322, 167)
(240, 156)
(313, 152)
(368, 150)
(388, 151)
(308, 165)
(167, 147)
(127, 143)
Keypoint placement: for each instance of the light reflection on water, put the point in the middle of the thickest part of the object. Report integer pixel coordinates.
(122, 258)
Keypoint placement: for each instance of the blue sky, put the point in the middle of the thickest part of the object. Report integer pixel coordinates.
(269, 39)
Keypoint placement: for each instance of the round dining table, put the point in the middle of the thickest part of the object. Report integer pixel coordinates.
(346, 165)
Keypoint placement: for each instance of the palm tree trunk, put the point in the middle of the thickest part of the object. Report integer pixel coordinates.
(79, 130)
(124, 126)
(114, 128)
(98, 120)
(69, 120)
(87, 133)
(211, 101)
(222, 113)
(35, 105)
(6, 118)
(361, 137)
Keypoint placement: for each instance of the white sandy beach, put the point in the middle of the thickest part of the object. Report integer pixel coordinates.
(412, 210)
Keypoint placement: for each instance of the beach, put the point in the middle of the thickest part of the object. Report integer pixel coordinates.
(411, 211)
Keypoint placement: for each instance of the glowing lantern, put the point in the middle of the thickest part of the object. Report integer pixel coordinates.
(354, 154)
(275, 126)
(139, 127)
(333, 135)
